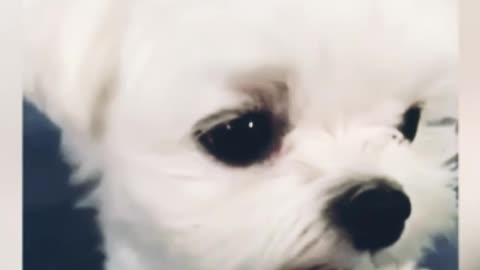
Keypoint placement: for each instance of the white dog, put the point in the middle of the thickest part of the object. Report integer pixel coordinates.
(254, 134)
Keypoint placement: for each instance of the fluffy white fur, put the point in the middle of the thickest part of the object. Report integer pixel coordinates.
(126, 80)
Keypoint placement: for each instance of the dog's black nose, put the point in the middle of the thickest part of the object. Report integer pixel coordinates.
(374, 218)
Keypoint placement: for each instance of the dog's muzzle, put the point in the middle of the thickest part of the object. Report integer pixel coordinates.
(373, 215)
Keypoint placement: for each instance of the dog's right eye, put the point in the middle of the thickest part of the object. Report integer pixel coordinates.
(409, 125)
(242, 141)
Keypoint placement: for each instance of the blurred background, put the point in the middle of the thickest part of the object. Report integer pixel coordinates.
(59, 237)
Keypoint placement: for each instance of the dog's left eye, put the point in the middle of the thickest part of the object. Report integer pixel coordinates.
(409, 125)
(242, 141)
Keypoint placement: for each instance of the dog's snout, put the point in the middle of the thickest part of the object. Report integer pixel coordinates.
(374, 216)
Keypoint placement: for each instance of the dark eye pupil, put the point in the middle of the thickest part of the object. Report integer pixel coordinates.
(241, 141)
(409, 125)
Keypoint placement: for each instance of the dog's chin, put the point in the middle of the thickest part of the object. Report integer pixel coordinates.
(374, 258)
(317, 267)
(344, 259)
(320, 264)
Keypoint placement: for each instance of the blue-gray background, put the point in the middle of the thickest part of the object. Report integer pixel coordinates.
(58, 237)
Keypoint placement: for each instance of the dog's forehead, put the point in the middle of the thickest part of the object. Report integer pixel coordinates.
(341, 43)
(330, 55)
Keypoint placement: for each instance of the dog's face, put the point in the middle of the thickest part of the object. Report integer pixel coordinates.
(283, 135)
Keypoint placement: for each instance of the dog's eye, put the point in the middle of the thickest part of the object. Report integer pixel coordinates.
(241, 141)
(409, 125)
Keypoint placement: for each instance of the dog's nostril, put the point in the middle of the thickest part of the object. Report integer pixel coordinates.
(374, 218)
(385, 204)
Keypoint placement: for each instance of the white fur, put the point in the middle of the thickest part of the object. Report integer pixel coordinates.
(352, 67)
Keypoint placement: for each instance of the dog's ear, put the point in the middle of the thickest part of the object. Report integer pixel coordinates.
(71, 53)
